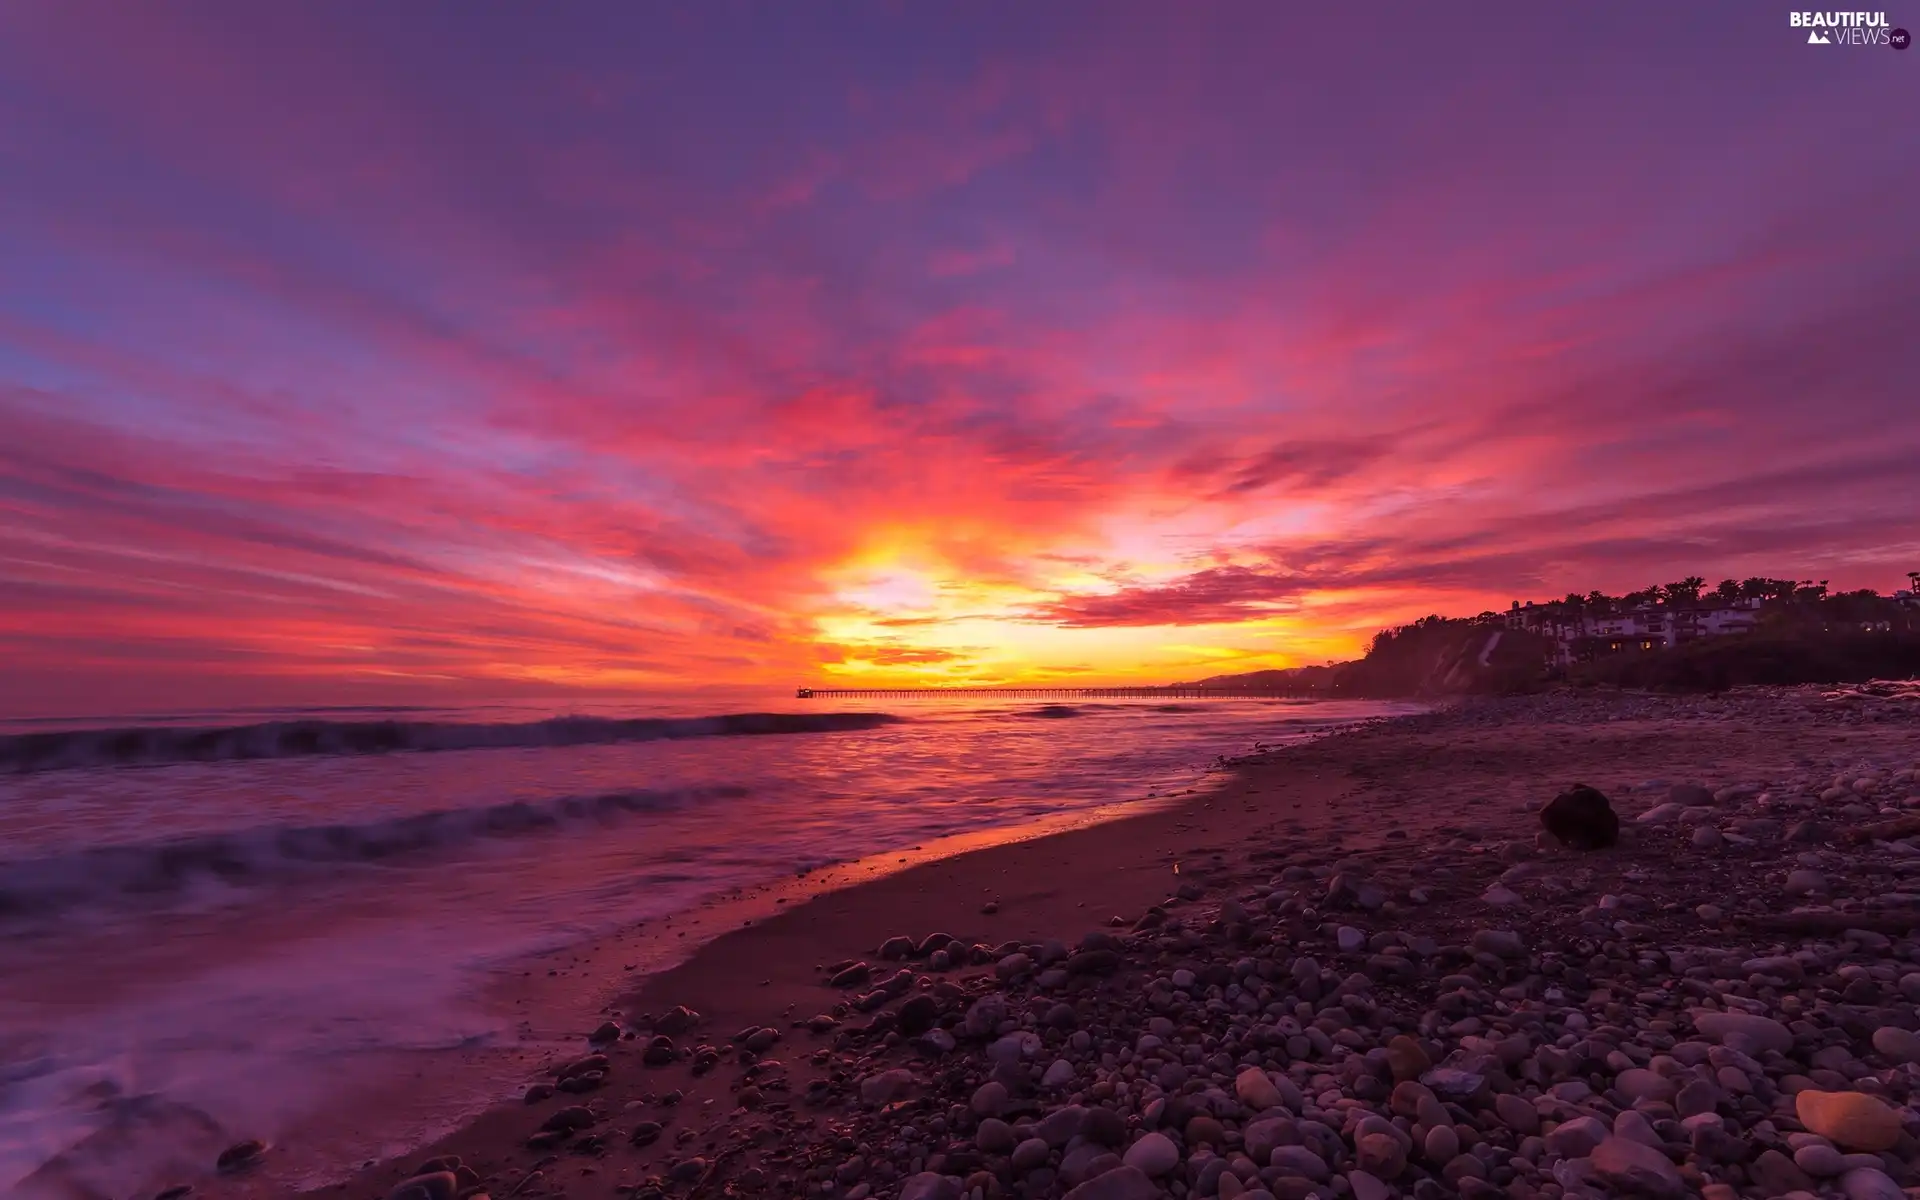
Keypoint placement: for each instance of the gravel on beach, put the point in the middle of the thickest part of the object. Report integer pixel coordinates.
(1724, 1004)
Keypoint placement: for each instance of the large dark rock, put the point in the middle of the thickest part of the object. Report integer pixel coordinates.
(1582, 818)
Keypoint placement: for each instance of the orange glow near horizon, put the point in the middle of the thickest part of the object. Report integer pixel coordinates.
(992, 351)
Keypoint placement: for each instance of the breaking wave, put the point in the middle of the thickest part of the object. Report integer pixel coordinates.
(67, 749)
(275, 854)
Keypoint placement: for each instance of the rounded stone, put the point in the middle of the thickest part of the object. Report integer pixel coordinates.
(1380, 1155)
(1637, 1169)
(1366, 1187)
(1819, 1161)
(1764, 1032)
(994, 1136)
(1516, 1114)
(990, 1099)
(1900, 1045)
(1032, 1154)
(1298, 1160)
(1576, 1138)
(1870, 1183)
(1153, 1155)
(1407, 1059)
(1255, 1090)
(1852, 1119)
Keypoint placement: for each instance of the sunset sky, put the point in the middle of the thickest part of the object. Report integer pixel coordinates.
(359, 350)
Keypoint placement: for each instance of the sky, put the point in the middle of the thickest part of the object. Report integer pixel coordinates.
(358, 351)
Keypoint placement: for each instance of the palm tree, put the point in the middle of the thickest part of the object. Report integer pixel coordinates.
(1686, 589)
(1728, 591)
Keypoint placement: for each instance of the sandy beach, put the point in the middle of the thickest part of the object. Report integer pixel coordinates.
(1426, 993)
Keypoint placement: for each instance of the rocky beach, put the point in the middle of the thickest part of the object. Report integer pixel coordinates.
(1357, 968)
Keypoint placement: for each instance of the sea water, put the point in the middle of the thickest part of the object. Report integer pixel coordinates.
(216, 925)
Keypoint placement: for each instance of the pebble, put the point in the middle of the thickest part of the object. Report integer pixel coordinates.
(990, 1098)
(1406, 1058)
(1034, 1152)
(1365, 1187)
(994, 1136)
(1637, 1169)
(1634, 1127)
(1805, 883)
(1576, 1138)
(1870, 1183)
(930, 1185)
(1255, 1090)
(1618, 1026)
(1381, 1155)
(1851, 1119)
(1298, 1160)
(1819, 1160)
(1502, 943)
(1121, 1183)
(1638, 1083)
(1154, 1155)
(1777, 1175)
(885, 1087)
(1900, 1045)
(1516, 1114)
(1764, 1032)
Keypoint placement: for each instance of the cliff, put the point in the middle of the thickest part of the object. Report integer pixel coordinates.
(1432, 657)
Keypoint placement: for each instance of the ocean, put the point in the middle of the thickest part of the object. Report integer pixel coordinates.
(220, 925)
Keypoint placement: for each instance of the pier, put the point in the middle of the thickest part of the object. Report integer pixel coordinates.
(1051, 693)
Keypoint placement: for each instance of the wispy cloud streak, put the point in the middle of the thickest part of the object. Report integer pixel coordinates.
(344, 350)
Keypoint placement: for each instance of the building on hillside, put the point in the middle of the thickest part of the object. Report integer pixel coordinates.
(1578, 635)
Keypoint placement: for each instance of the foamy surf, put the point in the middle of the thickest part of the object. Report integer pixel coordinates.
(252, 926)
(149, 873)
(148, 745)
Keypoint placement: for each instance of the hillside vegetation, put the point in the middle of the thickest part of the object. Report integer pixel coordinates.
(1438, 656)
(1782, 654)
(1805, 635)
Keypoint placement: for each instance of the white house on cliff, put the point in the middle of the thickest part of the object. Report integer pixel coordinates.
(1646, 627)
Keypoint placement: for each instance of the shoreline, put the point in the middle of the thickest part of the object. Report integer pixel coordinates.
(1435, 798)
(462, 1051)
(819, 907)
